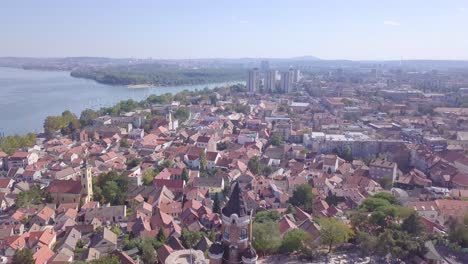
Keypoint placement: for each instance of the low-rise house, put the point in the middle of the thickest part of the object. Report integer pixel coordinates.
(42, 255)
(211, 184)
(206, 142)
(211, 159)
(45, 216)
(68, 173)
(104, 242)
(44, 238)
(71, 239)
(285, 225)
(21, 159)
(175, 186)
(312, 228)
(112, 214)
(5, 185)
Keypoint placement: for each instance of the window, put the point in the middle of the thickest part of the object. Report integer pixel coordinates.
(243, 234)
(226, 233)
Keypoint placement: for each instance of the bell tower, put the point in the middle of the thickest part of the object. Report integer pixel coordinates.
(87, 184)
(235, 245)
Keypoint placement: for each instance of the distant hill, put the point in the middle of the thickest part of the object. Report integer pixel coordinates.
(310, 58)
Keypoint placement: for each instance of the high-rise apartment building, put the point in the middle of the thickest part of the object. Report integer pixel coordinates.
(286, 81)
(264, 66)
(253, 80)
(270, 81)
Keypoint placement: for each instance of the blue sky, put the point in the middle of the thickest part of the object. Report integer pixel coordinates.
(347, 29)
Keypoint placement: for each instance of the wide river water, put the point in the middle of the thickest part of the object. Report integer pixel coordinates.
(27, 97)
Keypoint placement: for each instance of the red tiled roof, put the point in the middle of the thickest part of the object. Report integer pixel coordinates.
(170, 184)
(460, 179)
(4, 183)
(65, 186)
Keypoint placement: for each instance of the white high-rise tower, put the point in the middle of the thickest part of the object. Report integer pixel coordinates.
(253, 80)
(270, 81)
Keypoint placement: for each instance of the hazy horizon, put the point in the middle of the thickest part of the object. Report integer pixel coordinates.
(361, 30)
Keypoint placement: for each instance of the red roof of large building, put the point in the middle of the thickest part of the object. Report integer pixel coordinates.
(65, 186)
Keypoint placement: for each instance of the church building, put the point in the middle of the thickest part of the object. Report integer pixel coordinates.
(235, 245)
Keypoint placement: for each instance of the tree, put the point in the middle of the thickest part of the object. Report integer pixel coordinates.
(148, 176)
(203, 162)
(412, 224)
(31, 197)
(386, 182)
(132, 163)
(303, 197)
(106, 260)
(222, 145)
(182, 114)
(74, 125)
(148, 256)
(216, 204)
(23, 256)
(124, 143)
(10, 144)
(190, 238)
(458, 231)
(290, 209)
(52, 124)
(367, 243)
(87, 116)
(399, 244)
(334, 232)
(185, 175)
(254, 165)
(276, 140)
(267, 216)
(161, 236)
(266, 237)
(111, 188)
(294, 240)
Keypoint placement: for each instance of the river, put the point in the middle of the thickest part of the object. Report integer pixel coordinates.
(27, 97)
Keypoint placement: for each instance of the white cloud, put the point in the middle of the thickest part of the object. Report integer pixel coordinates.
(392, 23)
(463, 9)
(243, 21)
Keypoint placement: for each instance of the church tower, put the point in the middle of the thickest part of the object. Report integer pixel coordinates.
(235, 246)
(169, 120)
(87, 184)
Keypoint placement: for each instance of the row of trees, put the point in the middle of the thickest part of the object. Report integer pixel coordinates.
(256, 167)
(66, 122)
(267, 239)
(110, 187)
(158, 75)
(10, 144)
(385, 228)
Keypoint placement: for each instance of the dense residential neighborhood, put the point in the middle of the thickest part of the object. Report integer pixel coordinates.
(370, 166)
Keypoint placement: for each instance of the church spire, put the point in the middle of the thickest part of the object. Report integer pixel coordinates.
(236, 204)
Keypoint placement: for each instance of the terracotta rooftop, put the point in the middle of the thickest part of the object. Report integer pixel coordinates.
(65, 186)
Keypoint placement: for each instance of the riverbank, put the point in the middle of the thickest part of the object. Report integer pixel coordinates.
(29, 96)
(140, 86)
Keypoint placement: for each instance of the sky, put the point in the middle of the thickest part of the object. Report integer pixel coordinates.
(176, 29)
